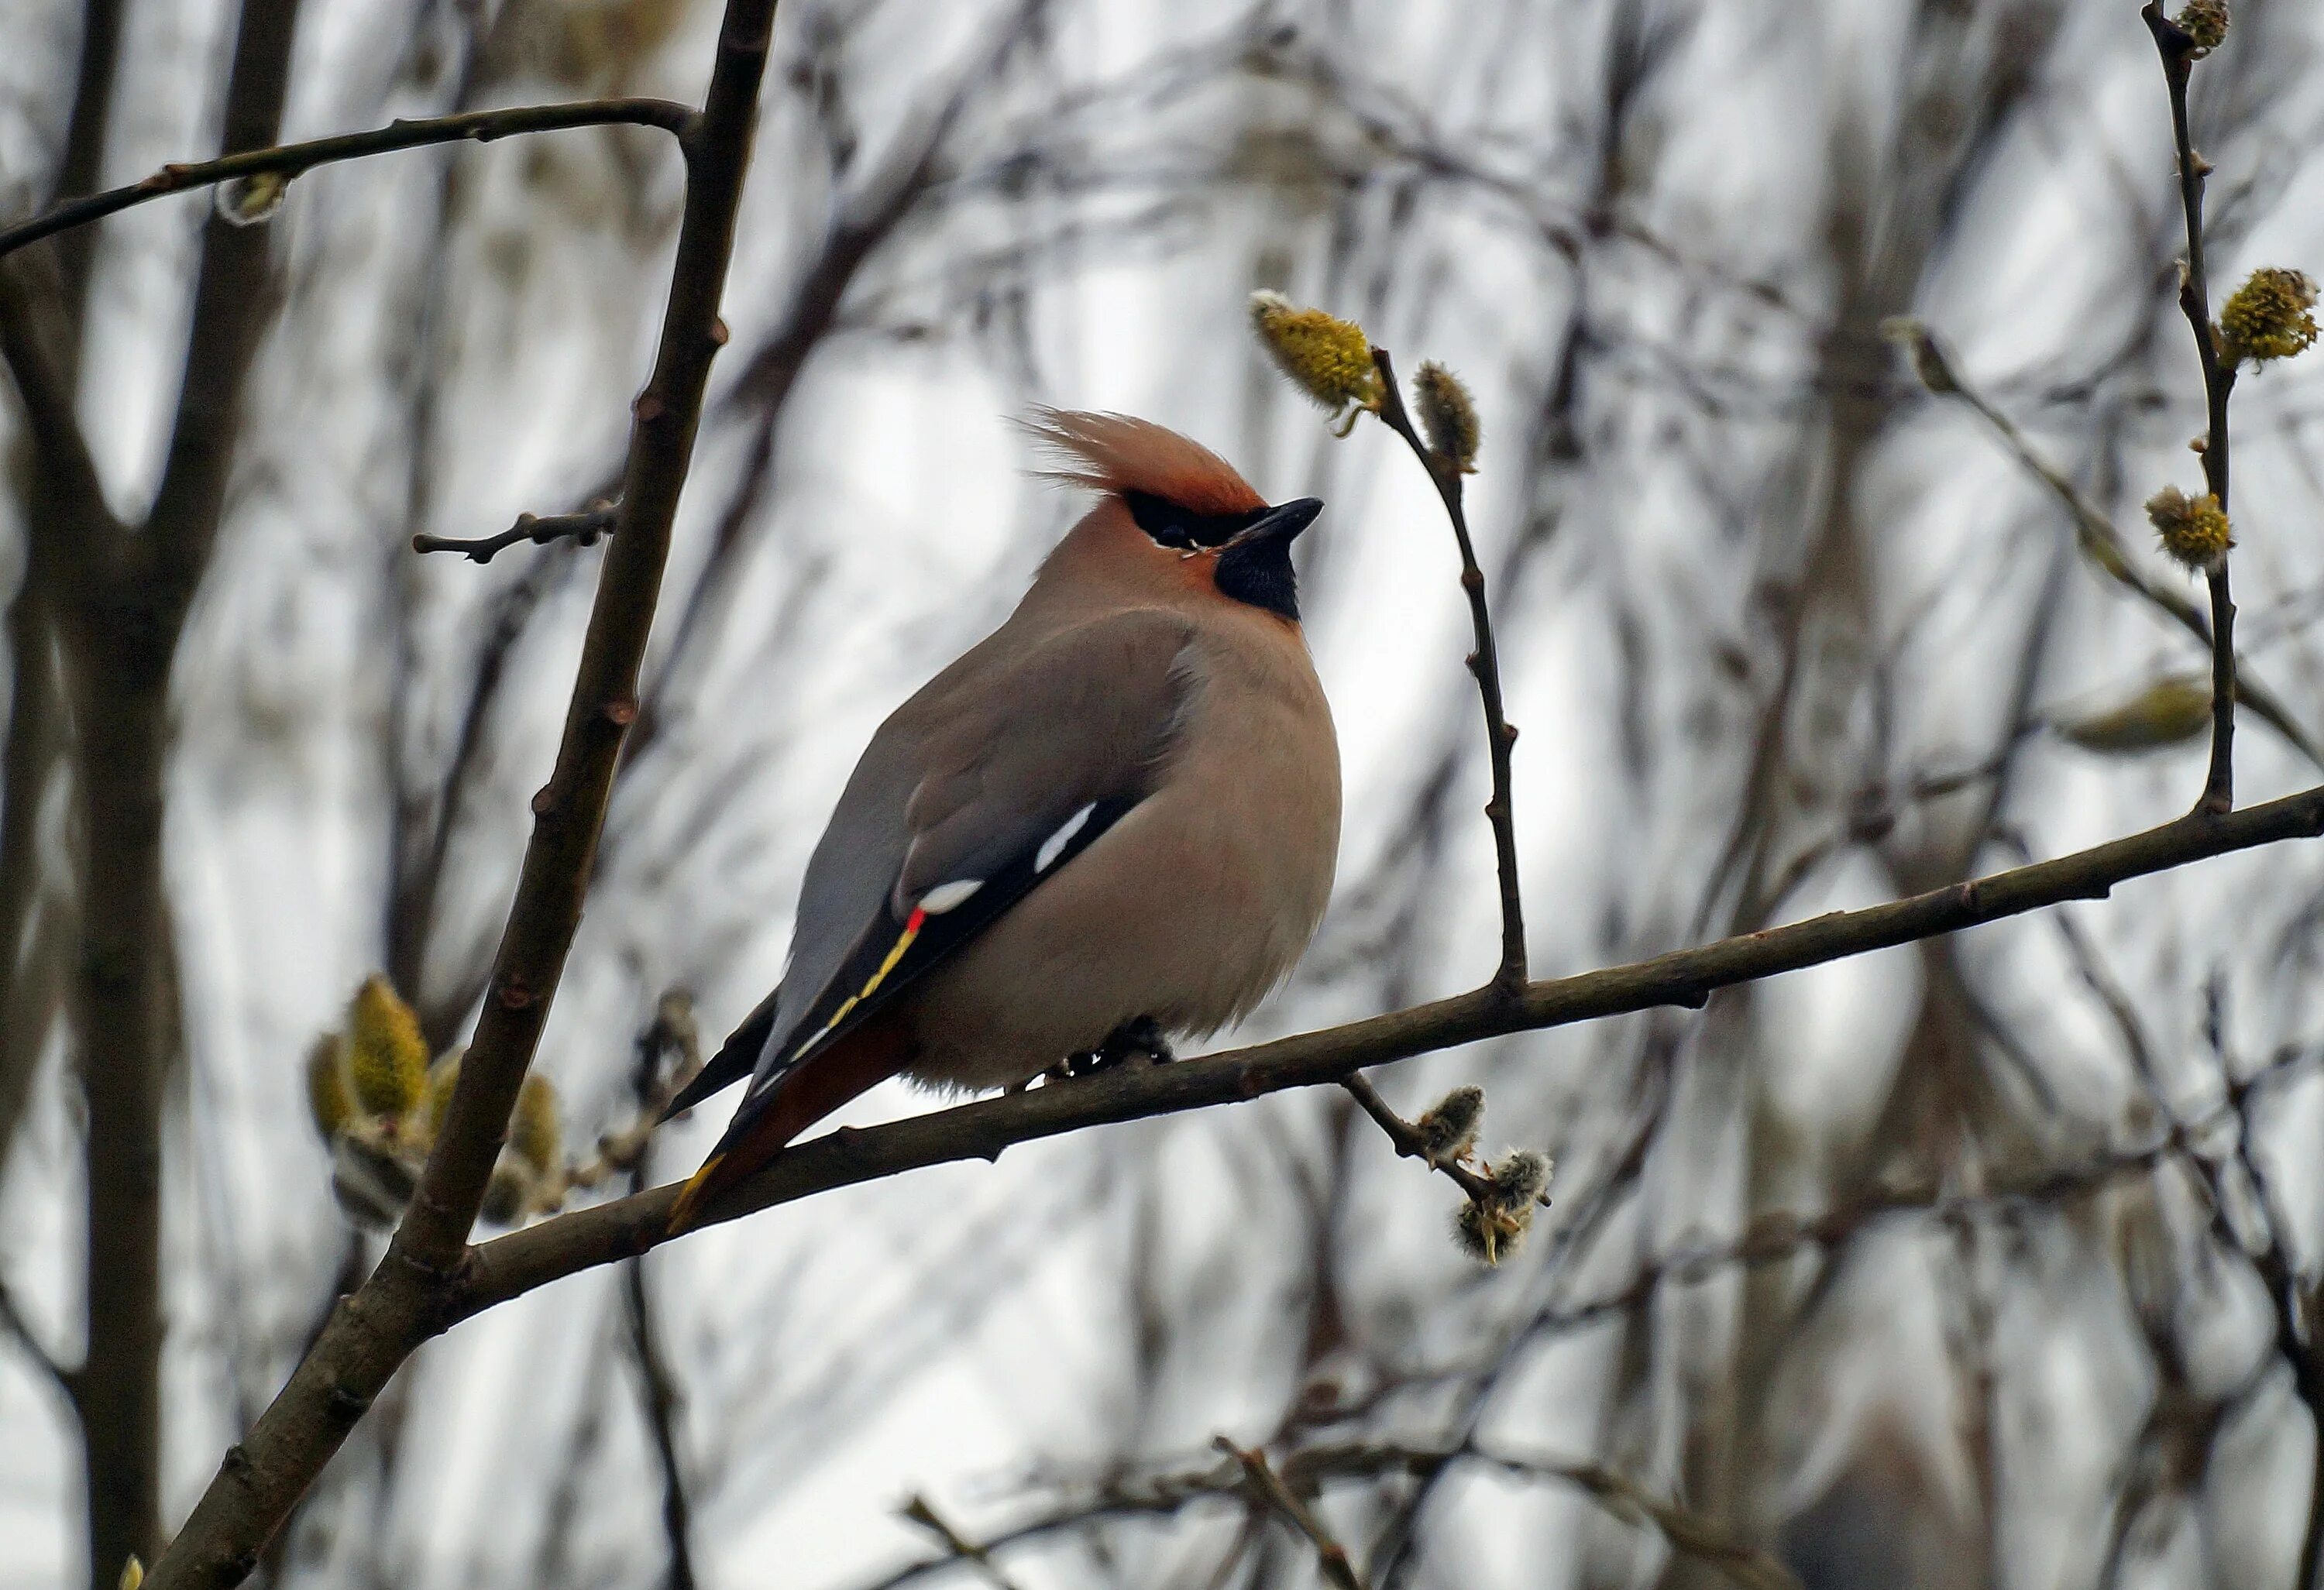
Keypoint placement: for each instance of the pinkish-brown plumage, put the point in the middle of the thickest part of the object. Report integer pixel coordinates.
(1114, 453)
(1119, 813)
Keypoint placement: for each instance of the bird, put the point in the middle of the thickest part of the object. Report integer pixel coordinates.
(1113, 823)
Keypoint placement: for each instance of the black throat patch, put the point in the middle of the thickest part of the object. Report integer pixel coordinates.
(1259, 572)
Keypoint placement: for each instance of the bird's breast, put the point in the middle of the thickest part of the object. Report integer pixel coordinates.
(1189, 910)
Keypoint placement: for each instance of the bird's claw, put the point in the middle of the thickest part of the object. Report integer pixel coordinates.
(1138, 1042)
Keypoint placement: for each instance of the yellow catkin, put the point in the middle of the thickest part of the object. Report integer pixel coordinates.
(508, 1195)
(2205, 21)
(387, 1057)
(2194, 530)
(1448, 416)
(2167, 713)
(2271, 316)
(1328, 358)
(442, 1078)
(535, 1135)
(327, 1086)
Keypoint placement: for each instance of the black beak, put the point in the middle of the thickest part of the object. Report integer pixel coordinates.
(1283, 523)
(1255, 567)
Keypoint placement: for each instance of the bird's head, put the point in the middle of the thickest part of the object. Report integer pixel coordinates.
(1178, 517)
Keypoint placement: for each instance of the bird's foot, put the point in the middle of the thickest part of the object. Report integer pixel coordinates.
(1136, 1041)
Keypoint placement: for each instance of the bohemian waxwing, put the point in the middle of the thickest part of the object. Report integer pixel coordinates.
(1113, 819)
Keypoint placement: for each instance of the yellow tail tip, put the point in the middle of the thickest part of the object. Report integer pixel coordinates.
(681, 1213)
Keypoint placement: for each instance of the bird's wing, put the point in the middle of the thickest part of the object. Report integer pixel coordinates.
(1014, 777)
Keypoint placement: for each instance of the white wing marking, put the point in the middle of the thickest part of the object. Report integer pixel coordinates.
(947, 896)
(1054, 845)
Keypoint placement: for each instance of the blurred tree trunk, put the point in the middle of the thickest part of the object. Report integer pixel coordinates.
(120, 599)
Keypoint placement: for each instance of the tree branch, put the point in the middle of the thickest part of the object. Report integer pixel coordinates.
(401, 1303)
(583, 528)
(1485, 663)
(13, 1328)
(511, 1265)
(1267, 1488)
(1311, 1468)
(289, 160)
(1411, 1144)
(76, 521)
(920, 1510)
(669, 1047)
(2177, 52)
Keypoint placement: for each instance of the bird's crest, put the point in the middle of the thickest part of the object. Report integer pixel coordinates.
(1114, 453)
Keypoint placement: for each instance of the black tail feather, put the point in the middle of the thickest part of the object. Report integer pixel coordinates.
(736, 1059)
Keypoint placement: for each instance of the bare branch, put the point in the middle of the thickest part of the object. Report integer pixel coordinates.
(1308, 1470)
(2179, 55)
(1268, 1489)
(2101, 543)
(13, 1328)
(919, 1511)
(511, 1265)
(1484, 662)
(672, 1036)
(289, 160)
(583, 528)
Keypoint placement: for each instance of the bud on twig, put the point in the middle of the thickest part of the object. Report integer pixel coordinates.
(2205, 21)
(1929, 361)
(252, 200)
(387, 1058)
(1491, 1228)
(1448, 1133)
(2169, 712)
(2194, 530)
(508, 1195)
(328, 1100)
(1448, 416)
(535, 1135)
(2271, 316)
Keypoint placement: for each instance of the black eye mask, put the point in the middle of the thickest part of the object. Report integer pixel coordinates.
(1181, 528)
(1254, 548)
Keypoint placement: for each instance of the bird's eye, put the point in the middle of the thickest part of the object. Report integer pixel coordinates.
(1180, 528)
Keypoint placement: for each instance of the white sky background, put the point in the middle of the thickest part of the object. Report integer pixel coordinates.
(952, 1331)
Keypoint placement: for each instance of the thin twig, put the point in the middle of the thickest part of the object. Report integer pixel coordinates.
(1267, 1488)
(582, 528)
(293, 160)
(2178, 51)
(2102, 545)
(674, 1042)
(1306, 1471)
(13, 1328)
(1485, 663)
(1411, 1144)
(1780, 1235)
(921, 1512)
(672, 1036)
